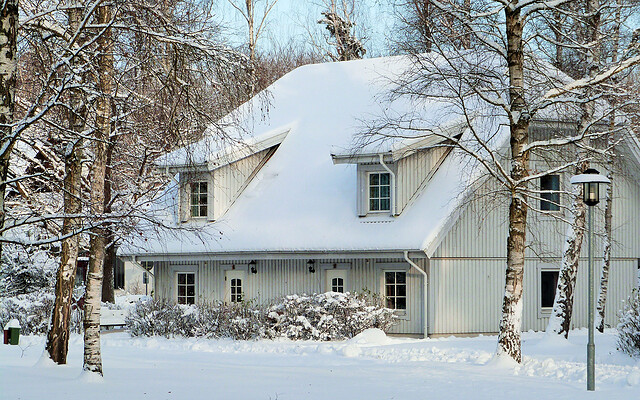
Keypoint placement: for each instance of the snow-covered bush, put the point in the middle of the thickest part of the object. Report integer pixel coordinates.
(327, 316)
(211, 320)
(33, 310)
(26, 270)
(629, 326)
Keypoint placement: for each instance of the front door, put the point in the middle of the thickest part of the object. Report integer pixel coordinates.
(234, 285)
(336, 280)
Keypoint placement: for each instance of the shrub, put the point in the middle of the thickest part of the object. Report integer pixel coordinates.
(33, 311)
(327, 316)
(629, 326)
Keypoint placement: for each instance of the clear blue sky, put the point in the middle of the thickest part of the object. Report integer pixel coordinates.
(295, 18)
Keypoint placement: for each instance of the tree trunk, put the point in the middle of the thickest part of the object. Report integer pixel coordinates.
(560, 319)
(108, 294)
(58, 335)
(92, 356)
(509, 341)
(8, 63)
(606, 253)
(608, 212)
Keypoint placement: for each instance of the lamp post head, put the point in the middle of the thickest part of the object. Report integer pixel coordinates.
(590, 180)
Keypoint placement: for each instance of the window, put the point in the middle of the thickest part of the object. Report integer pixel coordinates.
(395, 289)
(236, 290)
(379, 191)
(147, 265)
(337, 285)
(550, 201)
(548, 284)
(186, 288)
(198, 199)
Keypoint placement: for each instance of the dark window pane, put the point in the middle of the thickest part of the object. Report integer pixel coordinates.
(384, 205)
(203, 187)
(181, 279)
(182, 290)
(374, 179)
(374, 192)
(191, 291)
(191, 300)
(389, 277)
(390, 303)
(550, 201)
(384, 191)
(548, 283)
(401, 290)
(401, 277)
(384, 179)
(181, 300)
(374, 205)
(191, 278)
(391, 290)
(401, 303)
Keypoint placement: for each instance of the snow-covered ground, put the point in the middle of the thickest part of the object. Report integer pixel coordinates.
(370, 366)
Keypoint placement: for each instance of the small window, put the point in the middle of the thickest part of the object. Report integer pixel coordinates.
(337, 285)
(236, 290)
(198, 199)
(550, 201)
(379, 191)
(147, 265)
(186, 288)
(395, 289)
(548, 284)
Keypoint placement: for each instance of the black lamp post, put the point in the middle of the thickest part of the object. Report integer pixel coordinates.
(590, 181)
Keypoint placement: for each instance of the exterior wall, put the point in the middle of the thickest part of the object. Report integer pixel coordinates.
(467, 269)
(276, 278)
(413, 172)
(133, 279)
(465, 295)
(229, 180)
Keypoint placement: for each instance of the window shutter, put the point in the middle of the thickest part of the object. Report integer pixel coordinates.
(362, 192)
(210, 205)
(184, 198)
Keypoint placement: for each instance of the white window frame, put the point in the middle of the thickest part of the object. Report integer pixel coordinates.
(368, 184)
(364, 171)
(186, 285)
(199, 205)
(544, 312)
(175, 270)
(396, 267)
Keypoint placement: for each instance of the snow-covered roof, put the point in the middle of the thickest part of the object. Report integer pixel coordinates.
(300, 200)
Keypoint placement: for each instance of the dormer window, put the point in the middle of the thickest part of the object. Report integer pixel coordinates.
(199, 199)
(379, 192)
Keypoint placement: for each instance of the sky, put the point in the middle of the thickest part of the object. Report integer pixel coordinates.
(293, 20)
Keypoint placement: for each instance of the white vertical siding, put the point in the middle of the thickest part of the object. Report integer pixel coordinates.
(229, 180)
(276, 278)
(412, 172)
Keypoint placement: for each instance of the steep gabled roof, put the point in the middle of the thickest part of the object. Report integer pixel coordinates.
(300, 200)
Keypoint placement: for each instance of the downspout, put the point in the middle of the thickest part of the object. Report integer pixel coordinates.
(137, 264)
(393, 185)
(425, 293)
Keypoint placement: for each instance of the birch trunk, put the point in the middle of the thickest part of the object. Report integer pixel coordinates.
(92, 356)
(608, 211)
(108, 295)
(58, 335)
(560, 320)
(509, 338)
(8, 65)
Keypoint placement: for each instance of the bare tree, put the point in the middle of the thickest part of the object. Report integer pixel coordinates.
(339, 25)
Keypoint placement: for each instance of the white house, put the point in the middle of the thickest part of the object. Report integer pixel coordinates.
(294, 208)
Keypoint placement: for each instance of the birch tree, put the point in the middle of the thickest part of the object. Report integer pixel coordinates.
(8, 63)
(337, 19)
